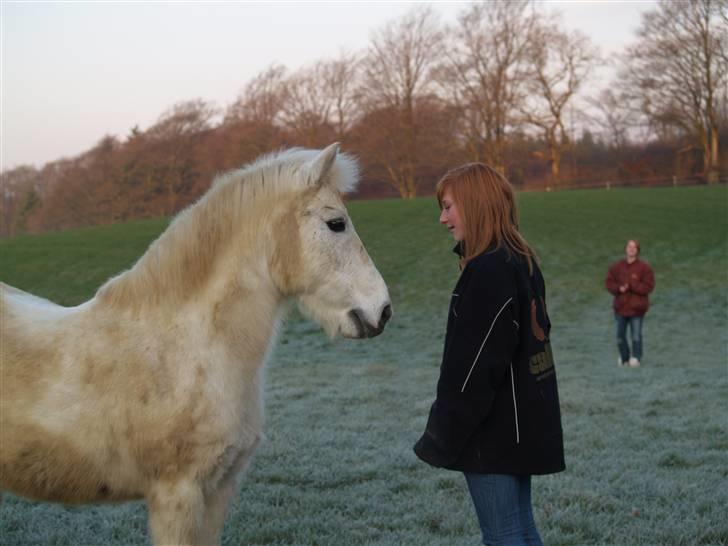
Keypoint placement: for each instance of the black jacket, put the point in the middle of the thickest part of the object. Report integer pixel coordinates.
(497, 407)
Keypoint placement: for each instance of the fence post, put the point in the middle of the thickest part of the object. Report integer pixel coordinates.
(674, 181)
(609, 185)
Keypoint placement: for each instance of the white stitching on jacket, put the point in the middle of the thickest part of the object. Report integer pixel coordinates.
(483, 344)
(515, 406)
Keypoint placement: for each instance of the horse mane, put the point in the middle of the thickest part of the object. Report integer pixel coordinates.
(182, 257)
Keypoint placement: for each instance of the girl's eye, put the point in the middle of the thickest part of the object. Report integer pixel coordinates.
(337, 224)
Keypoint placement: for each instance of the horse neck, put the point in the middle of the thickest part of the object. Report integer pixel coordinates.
(199, 254)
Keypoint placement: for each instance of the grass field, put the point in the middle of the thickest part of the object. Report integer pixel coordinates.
(646, 448)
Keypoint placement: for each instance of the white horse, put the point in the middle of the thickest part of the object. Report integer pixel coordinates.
(152, 389)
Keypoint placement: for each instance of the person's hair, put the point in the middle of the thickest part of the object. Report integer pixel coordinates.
(487, 206)
(636, 243)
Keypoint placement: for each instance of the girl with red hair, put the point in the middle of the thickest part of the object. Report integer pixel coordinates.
(496, 416)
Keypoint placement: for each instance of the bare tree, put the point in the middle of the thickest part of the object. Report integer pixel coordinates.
(558, 65)
(319, 101)
(396, 72)
(19, 196)
(252, 124)
(305, 109)
(484, 73)
(677, 71)
(262, 98)
(176, 133)
(612, 119)
(341, 76)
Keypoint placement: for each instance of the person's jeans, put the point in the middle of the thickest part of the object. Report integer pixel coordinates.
(503, 505)
(635, 328)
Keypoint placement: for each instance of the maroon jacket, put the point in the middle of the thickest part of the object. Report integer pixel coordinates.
(641, 280)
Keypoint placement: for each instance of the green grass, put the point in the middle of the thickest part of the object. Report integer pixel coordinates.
(646, 448)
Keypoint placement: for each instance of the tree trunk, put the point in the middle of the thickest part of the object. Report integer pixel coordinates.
(713, 173)
(411, 185)
(552, 139)
(705, 141)
(403, 182)
(555, 165)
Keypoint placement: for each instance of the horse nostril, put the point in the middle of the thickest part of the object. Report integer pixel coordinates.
(386, 315)
(359, 322)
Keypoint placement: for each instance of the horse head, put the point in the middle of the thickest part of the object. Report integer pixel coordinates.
(319, 258)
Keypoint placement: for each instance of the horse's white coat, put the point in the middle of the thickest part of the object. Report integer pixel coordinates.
(152, 389)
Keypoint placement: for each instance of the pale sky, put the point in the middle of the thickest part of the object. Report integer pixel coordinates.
(72, 72)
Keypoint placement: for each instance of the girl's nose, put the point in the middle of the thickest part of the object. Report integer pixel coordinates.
(443, 218)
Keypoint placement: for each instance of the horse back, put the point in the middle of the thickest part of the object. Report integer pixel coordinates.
(34, 462)
(28, 328)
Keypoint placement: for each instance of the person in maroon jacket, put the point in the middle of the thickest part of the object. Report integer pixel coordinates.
(496, 417)
(630, 280)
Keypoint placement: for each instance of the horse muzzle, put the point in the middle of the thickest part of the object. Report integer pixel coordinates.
(364, 328)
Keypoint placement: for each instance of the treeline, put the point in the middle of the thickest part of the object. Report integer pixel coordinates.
(506, 85)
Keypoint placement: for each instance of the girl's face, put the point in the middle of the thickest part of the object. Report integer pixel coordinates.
(450, 217)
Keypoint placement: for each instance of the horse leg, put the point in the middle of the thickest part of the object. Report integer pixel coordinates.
(215, 512)
(176, 512)
(218, 501)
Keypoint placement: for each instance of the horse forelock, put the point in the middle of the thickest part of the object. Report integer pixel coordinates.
(182, 257)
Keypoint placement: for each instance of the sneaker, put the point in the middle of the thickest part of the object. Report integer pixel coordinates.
(634, 363)
(619, 362)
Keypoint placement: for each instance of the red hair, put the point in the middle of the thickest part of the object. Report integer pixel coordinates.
(486, 202)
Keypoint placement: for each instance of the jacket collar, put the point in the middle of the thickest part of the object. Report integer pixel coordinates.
(459, 249)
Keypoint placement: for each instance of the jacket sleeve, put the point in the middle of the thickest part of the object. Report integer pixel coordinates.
(646, 284)
(612, 282)
(480, 347)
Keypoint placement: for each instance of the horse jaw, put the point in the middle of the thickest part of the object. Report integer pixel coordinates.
(329, 320)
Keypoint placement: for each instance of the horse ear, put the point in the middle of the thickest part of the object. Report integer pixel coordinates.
(321, 164)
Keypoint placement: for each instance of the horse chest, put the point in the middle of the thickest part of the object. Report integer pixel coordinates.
(204, 430)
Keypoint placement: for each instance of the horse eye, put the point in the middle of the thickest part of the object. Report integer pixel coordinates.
(337, 225)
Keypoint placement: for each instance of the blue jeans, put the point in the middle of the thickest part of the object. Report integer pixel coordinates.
(635, 328)
(503, 505)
